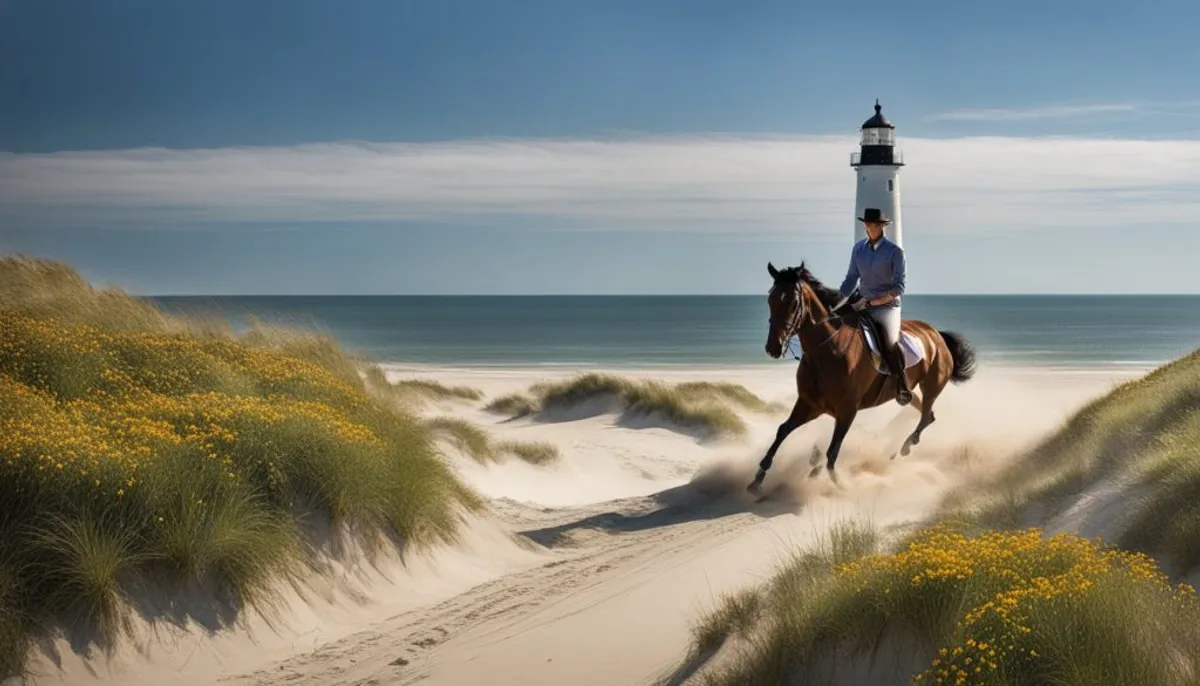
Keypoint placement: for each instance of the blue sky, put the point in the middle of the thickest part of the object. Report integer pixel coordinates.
(596, 147)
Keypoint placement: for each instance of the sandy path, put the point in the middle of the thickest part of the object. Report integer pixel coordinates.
(600, 554)
(627, 579)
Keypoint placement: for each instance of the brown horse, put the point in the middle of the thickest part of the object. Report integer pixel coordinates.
(836, 375)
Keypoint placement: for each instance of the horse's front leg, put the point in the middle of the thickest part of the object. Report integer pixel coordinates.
(802, 413)
(843, 419)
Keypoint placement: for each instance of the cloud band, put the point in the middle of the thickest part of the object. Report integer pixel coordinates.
(690, 183)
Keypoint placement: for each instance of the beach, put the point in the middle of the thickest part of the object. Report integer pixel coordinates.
(455, 344)
(594, 568)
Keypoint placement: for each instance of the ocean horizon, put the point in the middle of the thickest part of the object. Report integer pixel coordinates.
(1039, 330)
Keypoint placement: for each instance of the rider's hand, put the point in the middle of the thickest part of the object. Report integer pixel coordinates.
(860, 304)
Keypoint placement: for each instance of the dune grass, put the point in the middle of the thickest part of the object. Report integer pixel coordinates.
(1145, 434)
(706, 406)
(423, 389)
(14, 623)
(53, 291)
(513, 405)
(738, 614)
(954, 606)
(133, 449)
(477, 443)
(735, 615)
(1165, 519)
(533, 452)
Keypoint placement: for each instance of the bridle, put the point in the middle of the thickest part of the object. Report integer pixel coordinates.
(796, 322)
(792, 326)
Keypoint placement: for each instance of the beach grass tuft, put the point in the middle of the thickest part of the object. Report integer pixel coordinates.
(705, 406)
(533, 452)
(478, 444)
(423, 389)
(735, 615)
(513, 405)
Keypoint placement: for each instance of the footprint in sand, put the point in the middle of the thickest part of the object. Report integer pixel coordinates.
(427, 642)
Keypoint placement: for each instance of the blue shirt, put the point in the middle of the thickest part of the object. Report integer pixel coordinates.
(879, 268)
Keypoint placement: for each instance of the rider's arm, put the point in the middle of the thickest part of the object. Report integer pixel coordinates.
(898, 273)
(898, 279)
(851, 279)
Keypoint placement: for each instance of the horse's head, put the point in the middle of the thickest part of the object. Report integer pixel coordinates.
(786, 302)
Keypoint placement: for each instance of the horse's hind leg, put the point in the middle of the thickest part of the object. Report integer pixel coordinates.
(930, 390)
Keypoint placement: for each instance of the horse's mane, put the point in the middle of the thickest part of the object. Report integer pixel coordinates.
(828, 296)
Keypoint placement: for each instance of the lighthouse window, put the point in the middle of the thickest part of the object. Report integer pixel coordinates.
(878, 137)
(889, 185)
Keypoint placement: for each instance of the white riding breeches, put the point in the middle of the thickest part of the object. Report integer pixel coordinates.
(889, 321)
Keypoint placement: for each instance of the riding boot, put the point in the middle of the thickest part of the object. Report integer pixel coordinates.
(896, 363)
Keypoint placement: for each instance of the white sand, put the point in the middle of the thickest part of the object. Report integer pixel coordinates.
(633, 534)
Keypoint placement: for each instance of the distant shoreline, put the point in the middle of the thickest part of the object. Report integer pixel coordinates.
(782, 366)
(201, 296)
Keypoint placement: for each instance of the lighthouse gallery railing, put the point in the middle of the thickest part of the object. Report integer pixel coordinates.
(897, 158)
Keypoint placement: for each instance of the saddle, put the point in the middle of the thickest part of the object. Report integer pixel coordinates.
(910, 345)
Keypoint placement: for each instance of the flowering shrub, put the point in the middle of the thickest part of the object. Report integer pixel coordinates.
(1011, 593)
(93, 408)
(994, 608)
(123, 450)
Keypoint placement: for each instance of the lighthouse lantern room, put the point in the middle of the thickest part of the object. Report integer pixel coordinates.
(877, 165)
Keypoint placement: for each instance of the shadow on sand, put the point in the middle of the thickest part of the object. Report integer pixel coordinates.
(162, 607)
(716, 493)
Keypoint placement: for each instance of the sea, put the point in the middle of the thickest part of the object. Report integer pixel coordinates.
(1048, 331)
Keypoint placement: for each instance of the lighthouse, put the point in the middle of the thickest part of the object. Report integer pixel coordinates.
(877, 168)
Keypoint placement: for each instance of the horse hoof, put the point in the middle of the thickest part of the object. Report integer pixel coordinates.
(833, 477)
(754, 487)
(816, 456)
(906, 449)
(815, 471)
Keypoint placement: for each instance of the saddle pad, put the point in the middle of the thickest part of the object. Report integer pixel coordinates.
(914, 350)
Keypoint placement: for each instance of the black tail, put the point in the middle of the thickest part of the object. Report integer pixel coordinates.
(963, 355)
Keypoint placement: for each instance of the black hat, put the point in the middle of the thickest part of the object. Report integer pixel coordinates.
(872, 214)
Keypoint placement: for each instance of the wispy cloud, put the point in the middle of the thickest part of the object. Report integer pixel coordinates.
(695, 183)
(1040, 112)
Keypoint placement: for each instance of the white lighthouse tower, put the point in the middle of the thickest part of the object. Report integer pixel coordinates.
(877, 166)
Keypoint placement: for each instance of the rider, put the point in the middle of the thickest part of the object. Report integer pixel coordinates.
(879, 264)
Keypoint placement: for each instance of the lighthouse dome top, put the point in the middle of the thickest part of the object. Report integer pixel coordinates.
(878, 121)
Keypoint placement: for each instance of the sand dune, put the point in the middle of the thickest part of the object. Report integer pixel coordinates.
(590, 570)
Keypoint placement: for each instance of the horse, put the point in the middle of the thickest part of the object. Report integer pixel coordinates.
(836, 374)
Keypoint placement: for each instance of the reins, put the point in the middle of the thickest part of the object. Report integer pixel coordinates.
(796, 323)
